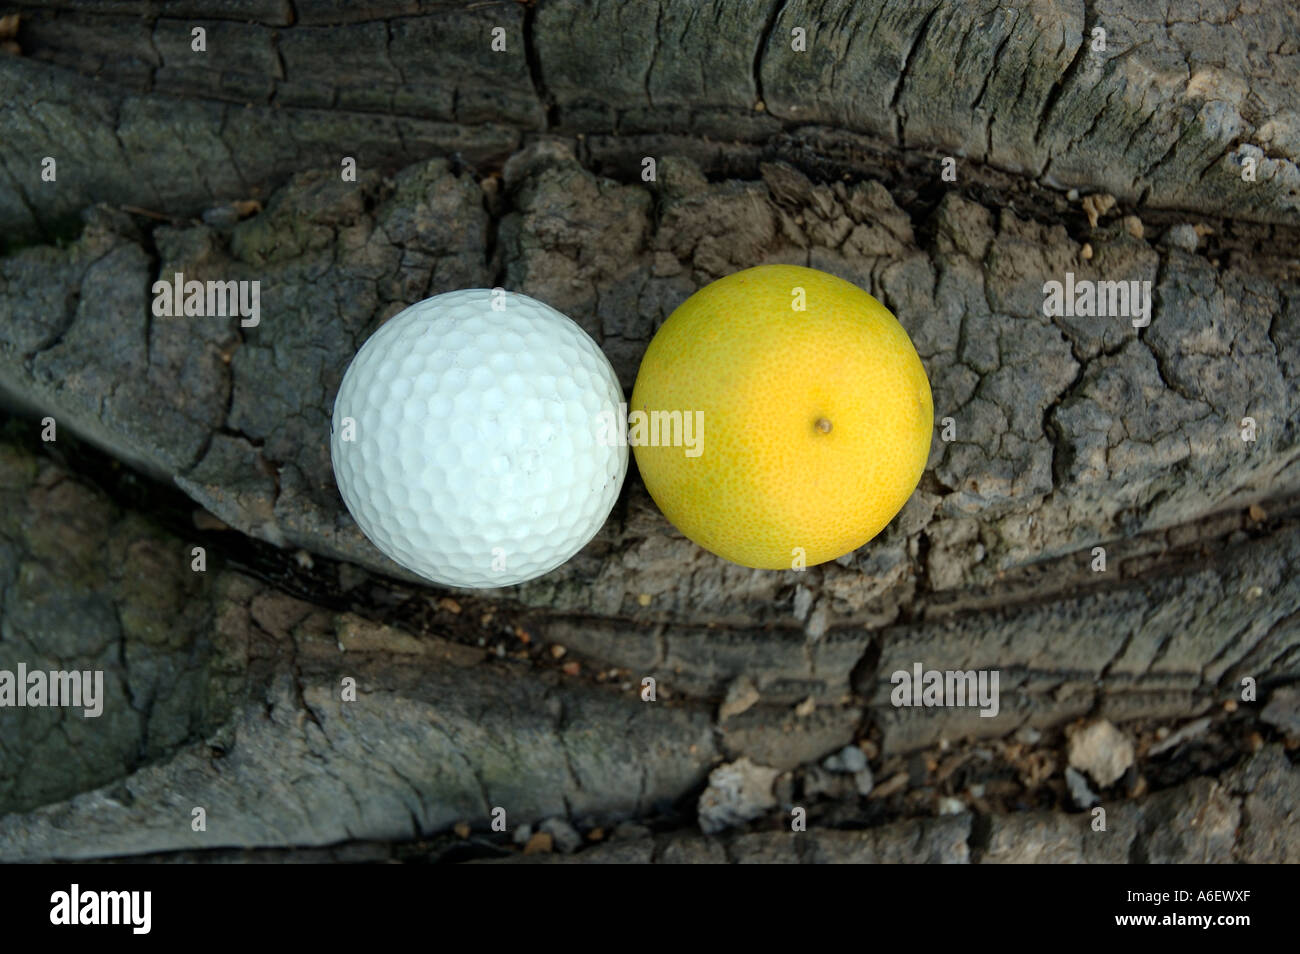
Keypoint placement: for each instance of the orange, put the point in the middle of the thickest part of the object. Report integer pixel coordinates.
(816, 421)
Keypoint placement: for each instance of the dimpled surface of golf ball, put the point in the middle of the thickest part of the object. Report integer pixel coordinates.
(475, 456)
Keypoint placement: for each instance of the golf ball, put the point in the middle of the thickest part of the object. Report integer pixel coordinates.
(472, 443)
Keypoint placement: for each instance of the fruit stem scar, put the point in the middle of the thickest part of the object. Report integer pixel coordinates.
(823, 425)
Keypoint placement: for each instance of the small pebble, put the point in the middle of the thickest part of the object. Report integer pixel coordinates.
(1181, 236)
(540, 844)
(951, 806)
(848, 760)
(742, 694)
(864, 781)
(563, 835)
(1028, 735)
(1101, 750)
(1086, 252)
(738, 792)
(894, 784)
(461, 829)
(1189, 731)
(1082, 795)
(802, 603)
(1097, 205)
(817, 624)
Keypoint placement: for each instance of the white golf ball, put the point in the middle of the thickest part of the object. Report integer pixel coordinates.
(472, 445)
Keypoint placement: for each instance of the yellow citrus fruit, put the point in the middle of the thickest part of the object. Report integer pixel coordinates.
(816, 423)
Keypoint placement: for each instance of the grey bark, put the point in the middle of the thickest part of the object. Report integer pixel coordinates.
(522, 168)
(1163, 117)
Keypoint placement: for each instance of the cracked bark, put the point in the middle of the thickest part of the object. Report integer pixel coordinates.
(475, 103)
(1072, 433)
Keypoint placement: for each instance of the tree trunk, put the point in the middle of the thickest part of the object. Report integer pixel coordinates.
(1110, 518)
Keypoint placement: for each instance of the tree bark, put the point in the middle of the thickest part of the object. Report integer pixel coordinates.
(524, 168)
